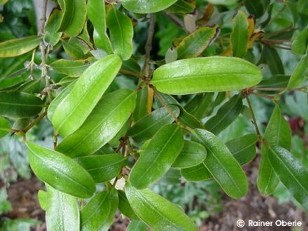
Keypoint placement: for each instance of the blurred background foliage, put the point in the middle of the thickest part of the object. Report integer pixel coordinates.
(281, 22)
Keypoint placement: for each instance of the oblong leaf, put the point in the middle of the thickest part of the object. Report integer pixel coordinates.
(125, 207)
(291, 173)
(277, 133)
(99, 212)
(299, 42)
(62, 211)
(74, 16)
(16, 47)
(191, 155)
(226, 114)
(222, 165)
(121, 33)
(194, 44)
(300, 74)
(52, 36)
(73, 110)
(154, 210)
(196, 173)
(105, 121)
(146, 6)
(5, 127)
(243, 148)
(146, 127)
(239, 35)
(60, 171)
(102, 168)
(19, 105)
(158, 156)
(207, 74)
(73, 68)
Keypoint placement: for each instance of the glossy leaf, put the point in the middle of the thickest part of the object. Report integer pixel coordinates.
(146, 6)
(97, 15)
(277, 133)
(291, 172)
(222, 165)
(239, 35)
(195, 43)
(136, 225)
(157, 157)
(73, 110)
(75, 49)
(243, 148)
(299, 42)
(19, 105)
(62, 211)
(99, 212)
(208, 75)
(141, 109)
(154, 211)
(52, 36)
(60, 171)
(191, 155)
(196, 173)
(125, 207)
(73, 68)
(16, 47)
(105, 121)
(102, 168)
(74, 16)
(300, 74)
(226, 114)
(5, 127)
(121, 33)
(146, 127)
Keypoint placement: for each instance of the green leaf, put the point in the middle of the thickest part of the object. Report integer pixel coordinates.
(300, 74)
(243, 148)
(5, 127)
(102, 168)
(52, 36)
(182, 7)
(74, 16)
(277, 133)
(60, 171)
(121, 33)
(72, 68)
(271, 57)
(16, 47)
(222, 165)
(291, 172)
(19, 105)
(105, 121)
(99, 212)
(125, 207)
(299, 42)
(239, 35)
(226, 114)
(146, 127)
(191, 155)
(158, 156)
(146, 6)
(141, 109)
(256, 8)
(195, 43)
(136, 225)
(75, 49)
(196, 173)
(97, 15)
(62, 212)
(223, 2)
(155, 211)
(73, 110)
(207, 74)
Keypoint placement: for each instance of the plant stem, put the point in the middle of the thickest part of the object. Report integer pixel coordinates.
(34, 122)
(254, 120)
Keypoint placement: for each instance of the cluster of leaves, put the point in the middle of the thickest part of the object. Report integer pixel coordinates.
(124, 117)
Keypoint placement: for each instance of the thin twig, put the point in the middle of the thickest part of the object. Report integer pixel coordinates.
(254, 120)
(148, 47)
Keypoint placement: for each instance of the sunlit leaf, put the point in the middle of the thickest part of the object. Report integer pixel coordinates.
(60, 171)
(155, 211)
(146, 6)
(208, 75)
